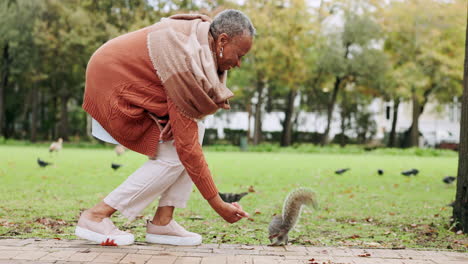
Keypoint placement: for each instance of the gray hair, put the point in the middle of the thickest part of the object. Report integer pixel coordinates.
(232, 22)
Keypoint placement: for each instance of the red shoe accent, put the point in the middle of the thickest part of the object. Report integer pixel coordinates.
(109, 243)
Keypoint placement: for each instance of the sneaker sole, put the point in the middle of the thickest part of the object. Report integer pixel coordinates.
(173, 240)
(99, 238)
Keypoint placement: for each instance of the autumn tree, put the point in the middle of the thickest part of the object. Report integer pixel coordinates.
(422, 38)
(349, 55)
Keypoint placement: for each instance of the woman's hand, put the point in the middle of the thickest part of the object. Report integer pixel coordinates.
(229, 212)
(164, 126)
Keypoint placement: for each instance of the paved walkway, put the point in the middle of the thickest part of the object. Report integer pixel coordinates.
(79, 251)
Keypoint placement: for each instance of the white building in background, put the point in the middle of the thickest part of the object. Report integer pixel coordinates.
(438, 123)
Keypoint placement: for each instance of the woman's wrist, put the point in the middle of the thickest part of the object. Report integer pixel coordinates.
(215, 202)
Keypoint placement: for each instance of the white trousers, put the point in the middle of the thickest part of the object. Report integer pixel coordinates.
(164, 177)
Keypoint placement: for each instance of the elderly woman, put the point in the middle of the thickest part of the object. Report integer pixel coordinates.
(148, 90)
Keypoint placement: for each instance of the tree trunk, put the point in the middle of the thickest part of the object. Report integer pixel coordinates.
(332, 102)
(34, 110)
(343, 128)
(3, 85)
(89, 125)
(248, 108)
(460, 208)
(24, 116)
(53, 119)
(42, 115)
(392, 137)
(414, 133)
(286, 135)
(63, 127)
(330, 107)
(258, 114)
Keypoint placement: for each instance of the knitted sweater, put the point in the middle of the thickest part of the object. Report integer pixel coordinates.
(122, 87)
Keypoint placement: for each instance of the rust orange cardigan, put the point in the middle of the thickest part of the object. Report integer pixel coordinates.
(122, 87)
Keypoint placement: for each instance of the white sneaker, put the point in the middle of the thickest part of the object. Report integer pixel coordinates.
(171, 234)
(104, 232)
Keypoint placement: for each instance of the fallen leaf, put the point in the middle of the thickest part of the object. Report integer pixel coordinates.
(372, 244)
(251, 189)
(247, 247)
(364, 255)
(257, 211)
(251, 219)
(51, 223)
(197, 217)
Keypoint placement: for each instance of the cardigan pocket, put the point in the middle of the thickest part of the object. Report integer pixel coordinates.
(126, 120)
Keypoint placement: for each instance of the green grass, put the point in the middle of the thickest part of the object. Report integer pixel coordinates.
(358, 208)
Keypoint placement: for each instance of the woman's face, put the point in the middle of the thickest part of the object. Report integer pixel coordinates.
(232, 49)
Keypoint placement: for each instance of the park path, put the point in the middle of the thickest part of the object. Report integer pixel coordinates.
(78, 251)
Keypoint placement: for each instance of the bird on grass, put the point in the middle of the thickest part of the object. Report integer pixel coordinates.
(380, 171)
(409, 173)
(232, 197)
(42, 163)
(115, 166)
(341, 171)
(56, 145)
(449, 179)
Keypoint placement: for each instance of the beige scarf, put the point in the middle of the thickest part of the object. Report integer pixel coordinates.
(180, 52)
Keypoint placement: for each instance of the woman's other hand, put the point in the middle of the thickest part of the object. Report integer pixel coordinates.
(229, 212)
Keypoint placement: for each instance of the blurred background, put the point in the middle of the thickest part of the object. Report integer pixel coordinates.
(378, 73)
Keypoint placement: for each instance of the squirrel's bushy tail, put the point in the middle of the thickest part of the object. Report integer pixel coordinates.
(293, 203)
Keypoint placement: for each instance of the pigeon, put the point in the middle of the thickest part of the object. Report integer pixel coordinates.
(410, 172)
(380, 171)
(56, 145)
(115, 166)
(449, 179)
(43, 163)
(232, 197)
(341, 171)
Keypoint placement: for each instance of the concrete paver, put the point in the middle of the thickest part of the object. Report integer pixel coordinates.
(28, 251)
(135, 259)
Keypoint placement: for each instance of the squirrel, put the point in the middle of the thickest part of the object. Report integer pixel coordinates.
(281, 225)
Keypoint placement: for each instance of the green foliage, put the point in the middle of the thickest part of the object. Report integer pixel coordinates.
(388, 49)
(424, 39)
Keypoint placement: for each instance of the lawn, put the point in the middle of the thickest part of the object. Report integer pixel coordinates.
(357, 208)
